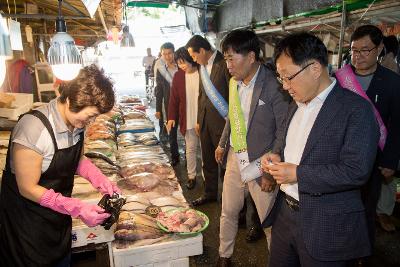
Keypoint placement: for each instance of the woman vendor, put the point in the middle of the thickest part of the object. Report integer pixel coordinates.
(45, 151)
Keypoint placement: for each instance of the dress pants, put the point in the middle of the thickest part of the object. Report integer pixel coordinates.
(249, 207)
(233, 196)
(370, 195)
(287, 244)
(210, 135)
(387, 198)
(192, 146)
(173, 142)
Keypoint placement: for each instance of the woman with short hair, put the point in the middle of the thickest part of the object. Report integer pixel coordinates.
(183, 107)
(45, 152)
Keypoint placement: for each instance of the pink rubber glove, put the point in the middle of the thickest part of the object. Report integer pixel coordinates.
(89, 171)
(90, 214)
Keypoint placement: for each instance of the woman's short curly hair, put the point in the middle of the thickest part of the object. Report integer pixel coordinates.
(90, 88)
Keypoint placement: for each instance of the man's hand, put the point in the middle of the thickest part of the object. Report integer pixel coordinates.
(268, 159)
(283, 172)
(266, 182)
(219, 154)
(170, 125)
(158, 115)
(387, 174)
(197, 129)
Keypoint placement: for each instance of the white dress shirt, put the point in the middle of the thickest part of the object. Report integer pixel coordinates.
(210, 62)
(297, 135)
(192, 95)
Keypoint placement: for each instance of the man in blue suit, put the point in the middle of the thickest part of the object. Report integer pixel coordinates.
(323, 154)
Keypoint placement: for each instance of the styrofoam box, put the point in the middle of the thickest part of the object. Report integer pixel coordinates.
(184, 262)
(83, 235)
(22, 103)
(166, 254)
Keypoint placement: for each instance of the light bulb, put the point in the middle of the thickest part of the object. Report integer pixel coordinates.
(64, 57)
(66, 72)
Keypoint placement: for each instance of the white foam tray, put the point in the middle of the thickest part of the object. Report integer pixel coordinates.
(165, 254)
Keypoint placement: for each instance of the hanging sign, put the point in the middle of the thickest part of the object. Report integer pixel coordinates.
(91, 6)
(15, 35)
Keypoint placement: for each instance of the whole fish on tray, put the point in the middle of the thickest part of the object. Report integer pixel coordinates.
(135, 114)
(135, 207)
(136, 234)
(143, 182)
(159, 169)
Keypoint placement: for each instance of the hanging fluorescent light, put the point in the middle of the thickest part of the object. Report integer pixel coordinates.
(5, 48)
(63, 55)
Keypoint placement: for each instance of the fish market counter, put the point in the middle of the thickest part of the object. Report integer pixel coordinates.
(173, 251)
(123, 145)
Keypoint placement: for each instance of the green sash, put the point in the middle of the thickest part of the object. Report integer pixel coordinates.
(249, 171)
(238, 125)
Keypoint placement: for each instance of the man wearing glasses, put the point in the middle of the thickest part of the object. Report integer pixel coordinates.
(322, 155)
(382, 86)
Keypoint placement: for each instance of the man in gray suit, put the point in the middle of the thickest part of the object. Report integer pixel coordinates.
(327, 145)
(262, 105)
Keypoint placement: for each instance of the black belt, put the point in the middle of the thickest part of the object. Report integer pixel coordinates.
(291, 202)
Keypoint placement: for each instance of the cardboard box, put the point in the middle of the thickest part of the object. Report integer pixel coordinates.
(23, 103)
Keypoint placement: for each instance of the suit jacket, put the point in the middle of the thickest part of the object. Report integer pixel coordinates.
(384, 92)
(268, 108)
(162, 92)
(177, 101)
(336, 161)
(220, 78)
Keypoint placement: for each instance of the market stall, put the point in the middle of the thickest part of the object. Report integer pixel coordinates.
(123, 145)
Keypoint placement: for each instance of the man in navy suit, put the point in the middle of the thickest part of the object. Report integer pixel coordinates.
(323, 154)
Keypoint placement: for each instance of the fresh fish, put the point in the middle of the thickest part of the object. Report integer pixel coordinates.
(134, 206)
(137, 219)
(139, 199)
(133, 235)
(148, 195)
(167, 201)
(101, 156)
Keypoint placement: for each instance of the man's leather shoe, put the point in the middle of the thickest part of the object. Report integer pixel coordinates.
(191, 183)
(174, 162)
(202, 200)
(224, 262)
(254, 234)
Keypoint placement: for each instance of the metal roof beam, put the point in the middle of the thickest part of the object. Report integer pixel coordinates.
(71, 7)
(43, 16)
(385, 11)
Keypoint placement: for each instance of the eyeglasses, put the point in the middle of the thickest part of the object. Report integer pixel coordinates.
(288, 79)
(363, 52)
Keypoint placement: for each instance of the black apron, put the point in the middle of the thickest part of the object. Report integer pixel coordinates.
(32, 235)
